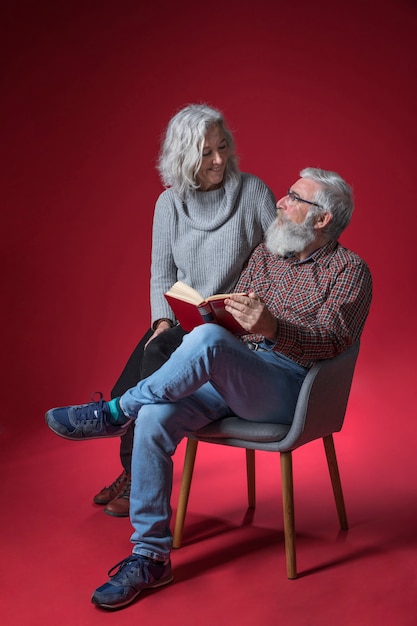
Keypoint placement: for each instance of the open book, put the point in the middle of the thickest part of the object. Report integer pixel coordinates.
(192, 310)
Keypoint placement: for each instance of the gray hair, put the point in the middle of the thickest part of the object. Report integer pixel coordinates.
(335, 197)
(182, 147)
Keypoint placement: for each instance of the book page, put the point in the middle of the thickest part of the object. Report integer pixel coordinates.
(222, 296)
(184, 292)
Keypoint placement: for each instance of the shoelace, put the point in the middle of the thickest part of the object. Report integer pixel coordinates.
(126, 491)
(84, 412)
(120, 574)
(116, 484)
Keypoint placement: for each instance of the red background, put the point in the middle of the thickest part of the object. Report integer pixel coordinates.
(87, 89)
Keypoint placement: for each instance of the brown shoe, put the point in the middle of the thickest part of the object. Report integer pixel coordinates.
(119, 507)
(107, 494)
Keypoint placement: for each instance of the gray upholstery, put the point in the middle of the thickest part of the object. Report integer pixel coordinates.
(320, 411)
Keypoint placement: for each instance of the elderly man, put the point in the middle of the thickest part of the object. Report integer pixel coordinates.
(307, 299)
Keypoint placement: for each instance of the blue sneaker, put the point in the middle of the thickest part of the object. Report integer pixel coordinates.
(135, 574)
(85, 421)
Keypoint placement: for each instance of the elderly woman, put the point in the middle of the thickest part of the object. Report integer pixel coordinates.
(206, 224)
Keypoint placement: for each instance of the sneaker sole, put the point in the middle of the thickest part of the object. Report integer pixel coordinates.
(155, 585)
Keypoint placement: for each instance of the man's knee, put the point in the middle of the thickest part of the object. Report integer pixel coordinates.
(210, 334)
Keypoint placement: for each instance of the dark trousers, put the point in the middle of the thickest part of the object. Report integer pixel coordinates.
(142, 363)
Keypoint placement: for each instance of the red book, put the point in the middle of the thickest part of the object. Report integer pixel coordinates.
(191, 309)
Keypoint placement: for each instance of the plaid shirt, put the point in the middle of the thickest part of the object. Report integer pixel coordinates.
(321, 303)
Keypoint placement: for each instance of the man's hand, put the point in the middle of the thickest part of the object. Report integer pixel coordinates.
(253, 315)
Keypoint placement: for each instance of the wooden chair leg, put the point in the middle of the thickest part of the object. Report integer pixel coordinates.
(250, 473)
(335, 478)
(187, 475)
(288, 511)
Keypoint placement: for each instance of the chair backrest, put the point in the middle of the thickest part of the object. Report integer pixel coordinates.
(323, 398)
(320, 411)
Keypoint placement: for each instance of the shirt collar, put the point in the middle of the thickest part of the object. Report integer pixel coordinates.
(320, 254)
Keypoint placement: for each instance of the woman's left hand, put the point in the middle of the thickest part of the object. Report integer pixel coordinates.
(161, 328)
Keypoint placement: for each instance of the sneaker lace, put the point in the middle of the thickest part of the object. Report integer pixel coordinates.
(84, 413)
(124, 573)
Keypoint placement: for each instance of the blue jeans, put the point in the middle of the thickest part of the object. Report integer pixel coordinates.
(211, 375)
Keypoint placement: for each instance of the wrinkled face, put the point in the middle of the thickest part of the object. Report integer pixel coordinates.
(215, 155)
(295, 209)
(293, 230)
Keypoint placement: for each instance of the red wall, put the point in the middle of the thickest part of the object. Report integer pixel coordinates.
(87, 90)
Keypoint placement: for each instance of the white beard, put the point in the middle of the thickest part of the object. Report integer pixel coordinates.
(284, 237)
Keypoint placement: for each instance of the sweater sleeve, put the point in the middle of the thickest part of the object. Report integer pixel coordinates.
(163, 269)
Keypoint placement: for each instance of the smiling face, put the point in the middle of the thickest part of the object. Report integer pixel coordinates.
(214, 160)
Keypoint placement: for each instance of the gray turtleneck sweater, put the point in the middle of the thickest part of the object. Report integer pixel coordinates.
(206, 239)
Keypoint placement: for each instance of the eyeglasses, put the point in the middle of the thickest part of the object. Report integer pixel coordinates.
(294, 197)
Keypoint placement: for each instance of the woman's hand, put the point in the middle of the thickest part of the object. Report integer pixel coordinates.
(252, 313)
(162, 326)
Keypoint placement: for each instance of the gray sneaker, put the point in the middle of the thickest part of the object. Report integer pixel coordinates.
(134, 574)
